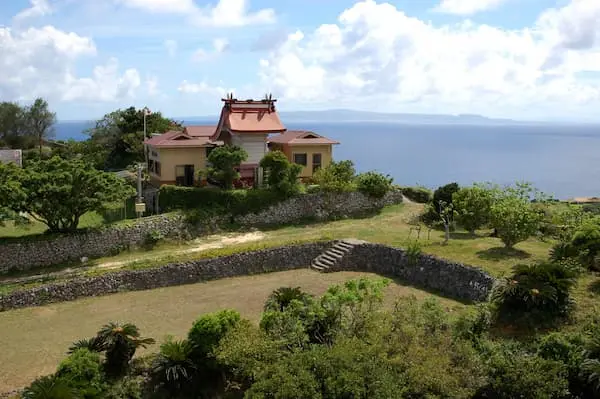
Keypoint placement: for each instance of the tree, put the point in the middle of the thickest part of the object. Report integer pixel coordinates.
(12, 126)
(58, 192)
(39, 121)
(473, 206)
(443, 195)
(223, 163)
(119, 135)
(514, 218)
(446, 214)
(283, 175)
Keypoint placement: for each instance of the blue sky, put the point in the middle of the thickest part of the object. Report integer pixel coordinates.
(533, 59)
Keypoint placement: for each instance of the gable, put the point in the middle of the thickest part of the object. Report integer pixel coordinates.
(182, 137)
(310, 136)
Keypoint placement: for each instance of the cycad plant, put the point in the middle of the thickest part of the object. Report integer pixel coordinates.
(538, 292)
(590, 367)
(121, 343)
(172, 368)
(282, 297)
(95, 344)
(49, 387)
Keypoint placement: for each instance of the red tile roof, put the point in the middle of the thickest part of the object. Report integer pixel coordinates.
(178, 139)
(300, 137)
(250, 116)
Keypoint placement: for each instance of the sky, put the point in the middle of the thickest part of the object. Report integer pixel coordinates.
(519, 59)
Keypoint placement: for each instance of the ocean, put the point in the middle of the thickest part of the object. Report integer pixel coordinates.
(563, 161)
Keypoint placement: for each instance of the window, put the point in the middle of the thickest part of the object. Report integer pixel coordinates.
(157, 168)
(151, 165)
(316, 162)
(300, 159)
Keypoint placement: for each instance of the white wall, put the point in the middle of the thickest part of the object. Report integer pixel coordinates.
(255, 145)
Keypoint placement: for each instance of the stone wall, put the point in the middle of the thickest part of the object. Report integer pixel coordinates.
(27, 254)
(319, 206)
(30, 253)
(446, 277)
(255, 262)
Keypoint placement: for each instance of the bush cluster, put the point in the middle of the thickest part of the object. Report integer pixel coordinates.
(217, 201)
(344, 344)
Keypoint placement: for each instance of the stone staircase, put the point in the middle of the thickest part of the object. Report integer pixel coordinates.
(330, 258)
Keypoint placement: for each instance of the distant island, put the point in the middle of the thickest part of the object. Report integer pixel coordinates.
(348, 115)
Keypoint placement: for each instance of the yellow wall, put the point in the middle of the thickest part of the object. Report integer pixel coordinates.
(169, 158)
(325, 150)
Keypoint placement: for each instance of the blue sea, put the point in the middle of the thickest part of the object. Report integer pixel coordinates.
(563, 161)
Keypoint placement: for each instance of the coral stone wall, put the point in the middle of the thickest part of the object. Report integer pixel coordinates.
(28, 253)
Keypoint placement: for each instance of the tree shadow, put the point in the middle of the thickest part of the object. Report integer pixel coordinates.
(463, 235)
(502, 253)
(594, 287)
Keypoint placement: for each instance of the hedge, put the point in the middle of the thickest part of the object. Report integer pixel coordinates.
(421, 195)
(217, 201)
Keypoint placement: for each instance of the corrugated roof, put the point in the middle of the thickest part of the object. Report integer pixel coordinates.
(301, 137)
(200, 131)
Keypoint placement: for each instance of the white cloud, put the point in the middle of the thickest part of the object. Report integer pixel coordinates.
(202, 88)
(467, 7)
(152, 86)
(105, 85)
(219, 45)
(171, 47)
(40, 62)
(226, 13)
(161, 6)
(38, 8)
(377, 57)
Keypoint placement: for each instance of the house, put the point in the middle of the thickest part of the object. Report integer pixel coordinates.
(176, 157)
(305, 148)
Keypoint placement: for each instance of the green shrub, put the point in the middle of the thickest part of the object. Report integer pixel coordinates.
(208, 330)
(152, 238)
(586, 241)
(336, 177)
(128, 387)
(421, 195)
(216, 201)
(83, 371)
(567, 348)
(374, 184)
(282, 174)
(514, 374)
(537, 293)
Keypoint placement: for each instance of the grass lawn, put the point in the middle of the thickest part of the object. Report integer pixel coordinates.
(390, 227)
(34, 340)
(90, 219)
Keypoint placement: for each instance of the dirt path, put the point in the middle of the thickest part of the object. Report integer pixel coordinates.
(197, 245)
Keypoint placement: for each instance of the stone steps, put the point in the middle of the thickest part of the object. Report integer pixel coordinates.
(330, 258)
